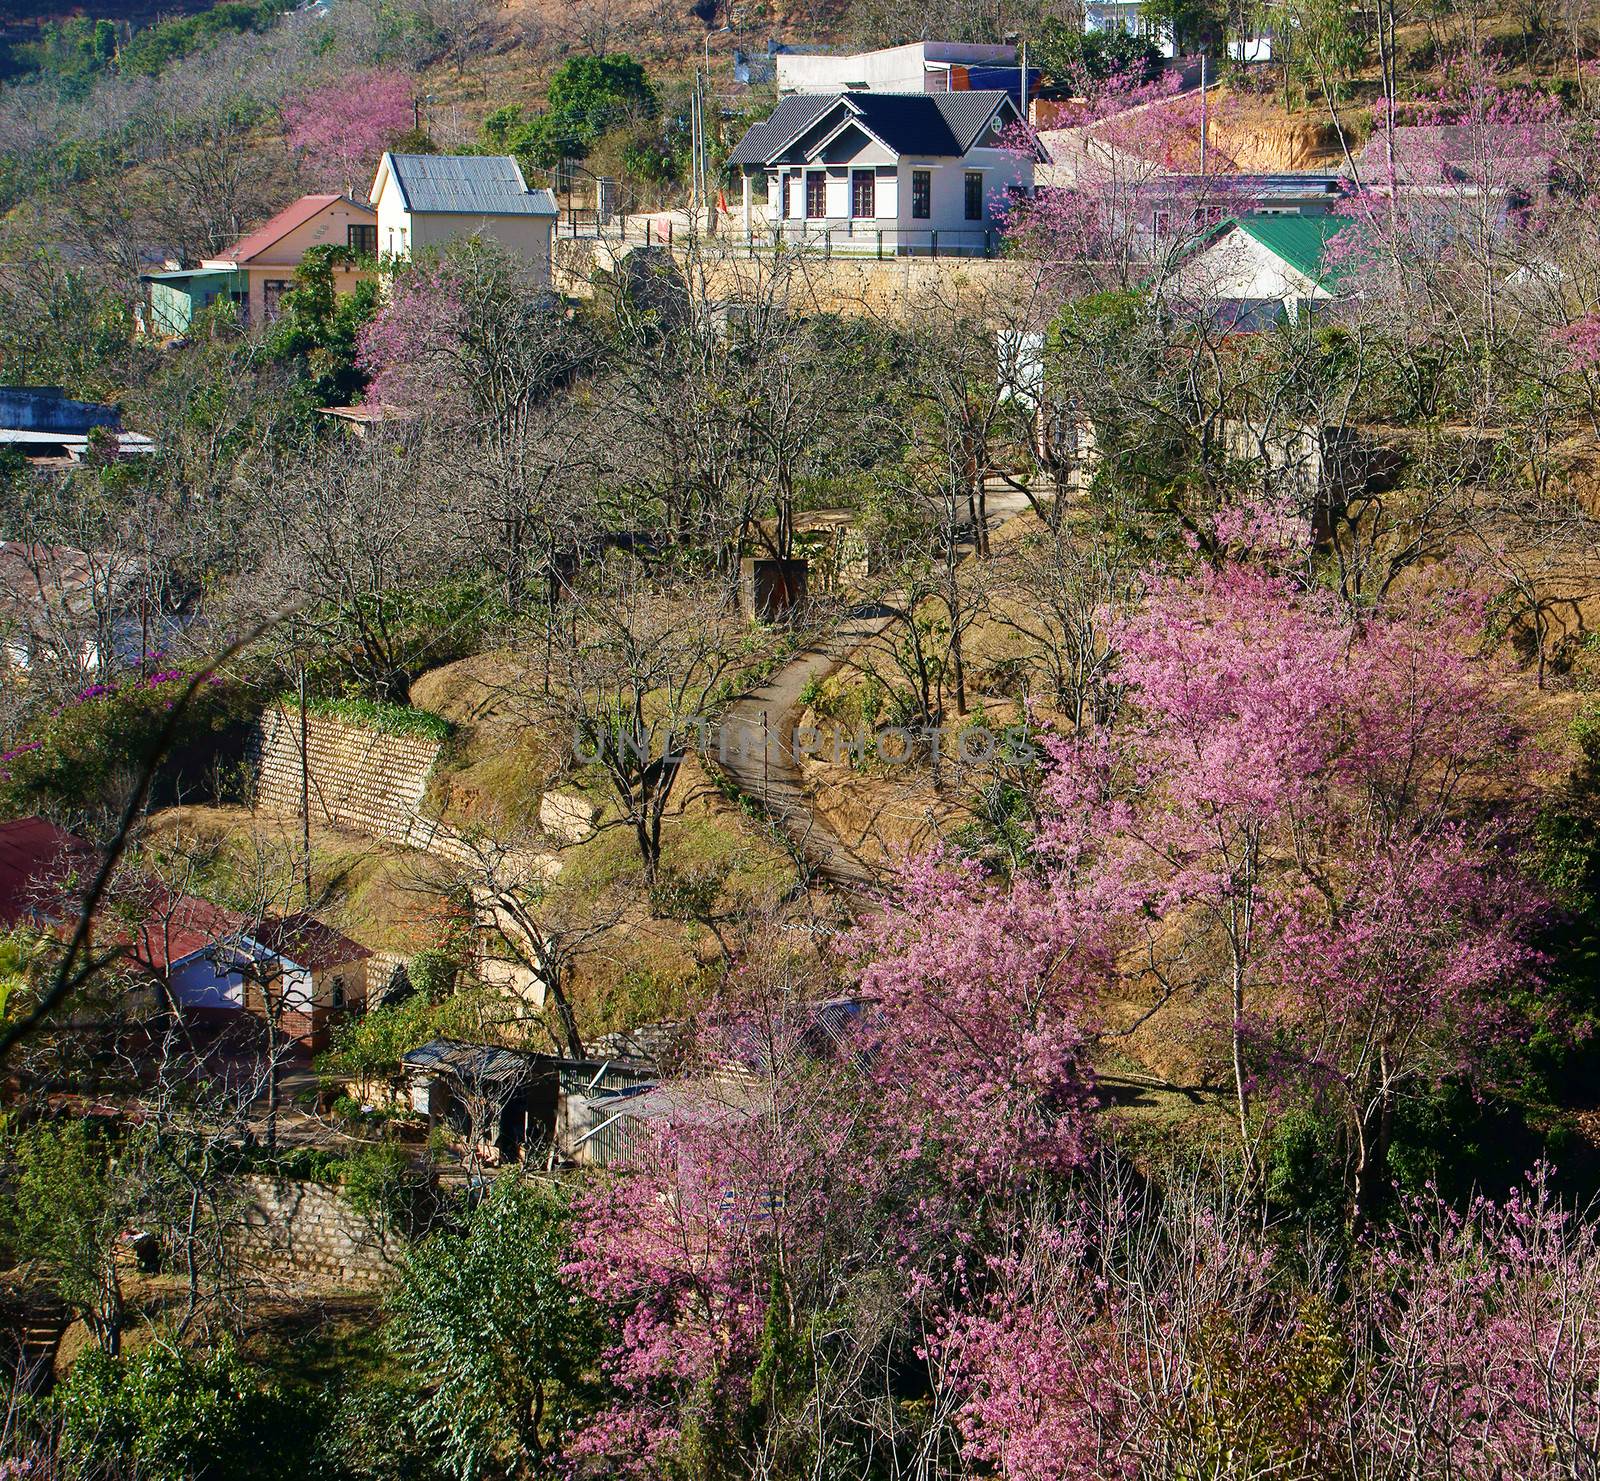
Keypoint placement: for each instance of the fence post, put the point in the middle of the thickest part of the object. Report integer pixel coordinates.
(880, 244)
(669, 233)
(935, 244)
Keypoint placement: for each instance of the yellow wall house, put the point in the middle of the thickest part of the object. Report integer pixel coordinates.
(258, 269)
(430, 200)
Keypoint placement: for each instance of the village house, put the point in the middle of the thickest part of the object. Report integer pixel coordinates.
(1126, 17)
(257, 270)
(431, 200)
(217, 963)
(84, 610)
(920, 67)
(49, 429)
(513, 1101)
(1254, 271)
(40, 868)
(885, 173)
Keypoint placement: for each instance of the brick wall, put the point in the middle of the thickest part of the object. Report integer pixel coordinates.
(307, 1233)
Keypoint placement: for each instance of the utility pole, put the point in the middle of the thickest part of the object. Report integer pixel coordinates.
(305, 768)
(694, 150)
(1202, 125)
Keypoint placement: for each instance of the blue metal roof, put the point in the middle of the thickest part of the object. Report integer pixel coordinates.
(467, 185)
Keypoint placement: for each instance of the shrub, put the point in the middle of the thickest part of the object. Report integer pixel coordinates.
(178, 1416)
(381, 1182)
(372, 714)
(81, 757)
(433, 972)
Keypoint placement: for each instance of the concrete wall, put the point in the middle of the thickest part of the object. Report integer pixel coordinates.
(401, 234)
(45, 409)
(894, 69)
(305, 1233)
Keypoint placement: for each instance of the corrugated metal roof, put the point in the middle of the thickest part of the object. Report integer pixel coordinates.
(467, 185)
(966, 114)
(1300, 241)
(792, 116)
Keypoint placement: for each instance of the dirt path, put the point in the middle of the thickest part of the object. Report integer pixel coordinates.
(755, 744)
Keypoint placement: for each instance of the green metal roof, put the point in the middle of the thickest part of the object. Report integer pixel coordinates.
(1299, 240)
(185, 274)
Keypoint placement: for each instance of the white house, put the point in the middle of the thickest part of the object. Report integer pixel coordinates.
(920, 67)
(1256, 270)
(431, 200)
(215, 962)
(1125, 17)
(885, 173)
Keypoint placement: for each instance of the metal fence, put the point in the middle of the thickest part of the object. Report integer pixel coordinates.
(850, 239)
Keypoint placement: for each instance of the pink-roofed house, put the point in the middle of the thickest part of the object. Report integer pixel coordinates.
(258, 269)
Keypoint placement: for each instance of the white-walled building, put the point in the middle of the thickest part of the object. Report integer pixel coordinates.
(920, 67)
(295, 970)
(431, 200)
(1254, 271)
(1126, 17)
(889, 173)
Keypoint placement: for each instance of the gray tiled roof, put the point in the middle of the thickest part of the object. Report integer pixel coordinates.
(791, 116)
(943, 125)
(467, 185)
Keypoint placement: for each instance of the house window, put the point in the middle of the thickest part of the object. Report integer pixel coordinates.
(336, 992)
(363, 240)
(974, 195)
(272, 291)
(921, 194)
(864, 193)
(816, 194)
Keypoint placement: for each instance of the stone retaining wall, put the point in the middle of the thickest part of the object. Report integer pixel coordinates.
(359, 779)
(894, 287)
(306, 1233)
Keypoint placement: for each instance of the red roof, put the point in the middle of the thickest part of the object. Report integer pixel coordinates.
(35, 859)
(307, 942)
(176, 927)
(282, 224)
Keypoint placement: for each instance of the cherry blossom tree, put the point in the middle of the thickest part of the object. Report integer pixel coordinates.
(985, 1009)
(1317, 822)
(342, 127)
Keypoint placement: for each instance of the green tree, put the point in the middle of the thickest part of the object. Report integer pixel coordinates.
(1070, 57)
(70, 1209)
(318, 326)
(593, 93)
(589, 96)
(166, 1414)
(502, 1346)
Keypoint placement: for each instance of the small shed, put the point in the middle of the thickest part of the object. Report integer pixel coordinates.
(506, 1097)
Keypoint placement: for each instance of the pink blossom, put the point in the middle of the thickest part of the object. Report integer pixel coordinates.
(343, 127)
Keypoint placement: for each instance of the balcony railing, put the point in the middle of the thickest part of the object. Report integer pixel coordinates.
(855, 238)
